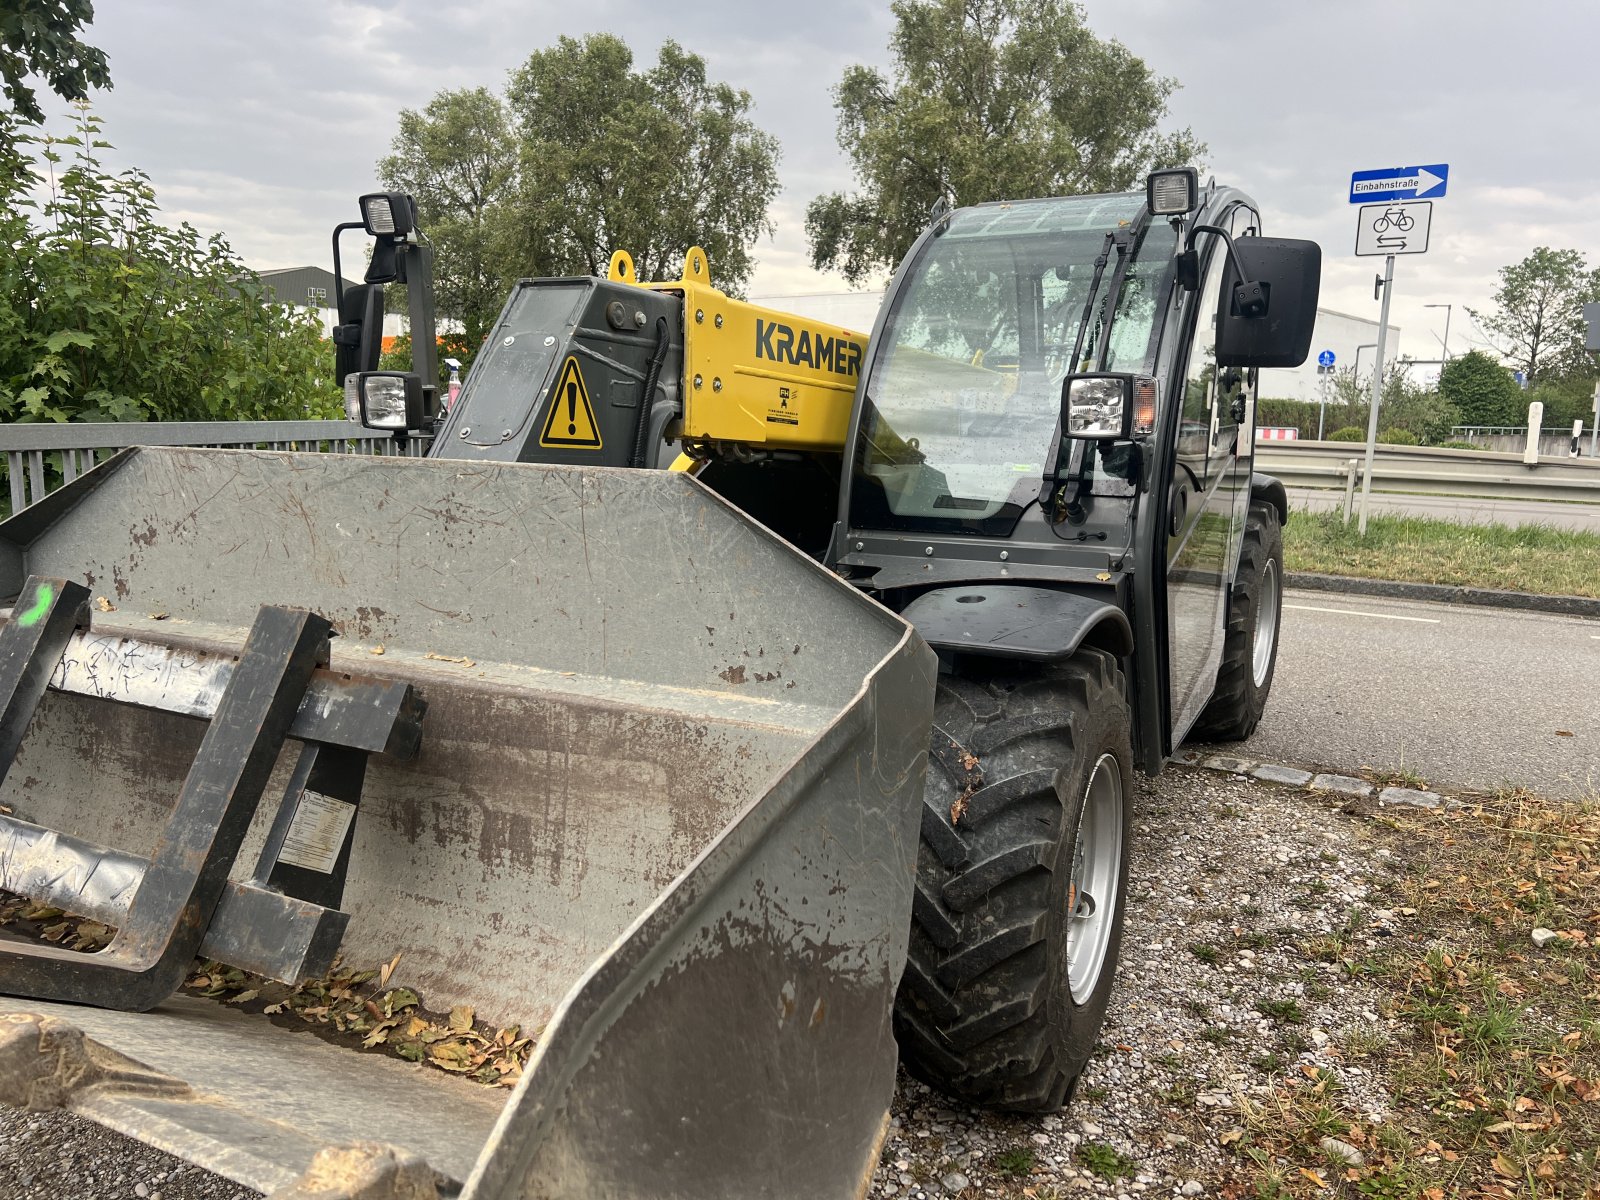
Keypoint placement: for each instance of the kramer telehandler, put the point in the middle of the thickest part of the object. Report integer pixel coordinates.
(595, 751)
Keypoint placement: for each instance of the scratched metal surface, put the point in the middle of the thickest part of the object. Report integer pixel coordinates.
(666, 800)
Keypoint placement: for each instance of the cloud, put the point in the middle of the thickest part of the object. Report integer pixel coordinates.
(265, 121)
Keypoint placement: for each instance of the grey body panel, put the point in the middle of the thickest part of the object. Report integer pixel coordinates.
(1007, 621)
(665, 807)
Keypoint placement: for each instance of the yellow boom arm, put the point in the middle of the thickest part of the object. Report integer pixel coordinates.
(756, 376)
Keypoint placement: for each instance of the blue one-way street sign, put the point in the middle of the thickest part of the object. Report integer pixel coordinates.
(1399, 183)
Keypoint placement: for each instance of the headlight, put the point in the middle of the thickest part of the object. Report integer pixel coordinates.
(1096, 406)
(1108, 407)
(386, 402)
(386, 399)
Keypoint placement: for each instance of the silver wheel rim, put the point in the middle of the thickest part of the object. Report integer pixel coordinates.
(1265, 635)
(1096, 875)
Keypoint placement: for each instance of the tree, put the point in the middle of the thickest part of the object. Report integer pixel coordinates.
(991, 100)
(107, 314)
(1482, 390)
(650, 162)
(1539, 313)
(40, 37)
(458, 158)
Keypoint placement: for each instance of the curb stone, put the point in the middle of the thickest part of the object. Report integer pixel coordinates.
(1294, 777)
(1572, 606)
(1345, 785)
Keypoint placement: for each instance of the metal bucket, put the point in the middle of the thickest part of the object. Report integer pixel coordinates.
(664, 808)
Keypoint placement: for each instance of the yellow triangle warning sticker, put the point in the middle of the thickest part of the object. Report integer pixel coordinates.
(570, 423)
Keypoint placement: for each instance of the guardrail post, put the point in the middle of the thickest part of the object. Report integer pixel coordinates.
(1351, 465)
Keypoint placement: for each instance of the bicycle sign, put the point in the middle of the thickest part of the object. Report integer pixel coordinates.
(1397, 228)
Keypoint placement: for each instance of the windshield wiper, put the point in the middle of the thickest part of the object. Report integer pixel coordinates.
(1120, 240)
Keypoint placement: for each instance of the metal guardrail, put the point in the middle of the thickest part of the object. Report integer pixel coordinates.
(82, 446)
(1422, 469)
(1432, 471)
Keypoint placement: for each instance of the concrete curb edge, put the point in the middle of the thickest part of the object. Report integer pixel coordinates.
(1572, 606)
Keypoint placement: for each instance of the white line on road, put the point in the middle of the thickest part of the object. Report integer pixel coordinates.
(1356, 612)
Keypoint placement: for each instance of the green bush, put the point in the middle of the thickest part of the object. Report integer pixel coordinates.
(1399, 437)
(1483, 391)
(1459, 446)
(1348, 434)
(109, 314)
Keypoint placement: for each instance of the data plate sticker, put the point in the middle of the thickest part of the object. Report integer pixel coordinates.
(317, 832)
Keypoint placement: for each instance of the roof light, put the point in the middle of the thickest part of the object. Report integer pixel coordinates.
(388, 214)
(1173, 193)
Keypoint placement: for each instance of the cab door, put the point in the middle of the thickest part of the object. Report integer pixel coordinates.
(1210, 490)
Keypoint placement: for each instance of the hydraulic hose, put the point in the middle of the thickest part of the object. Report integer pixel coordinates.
(641, 425)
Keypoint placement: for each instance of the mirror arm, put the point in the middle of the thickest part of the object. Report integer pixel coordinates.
(1249, 295)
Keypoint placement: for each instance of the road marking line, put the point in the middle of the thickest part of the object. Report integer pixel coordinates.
(1356, 612)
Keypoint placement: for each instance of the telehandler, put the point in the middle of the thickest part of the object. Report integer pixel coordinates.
(642, 758)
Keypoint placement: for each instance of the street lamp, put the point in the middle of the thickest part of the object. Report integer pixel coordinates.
(1444, 343)
(1356, 369)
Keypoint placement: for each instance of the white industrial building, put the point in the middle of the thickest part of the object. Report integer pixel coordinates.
(1351, 340)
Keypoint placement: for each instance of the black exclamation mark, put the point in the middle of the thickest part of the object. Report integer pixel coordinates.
(572, 409)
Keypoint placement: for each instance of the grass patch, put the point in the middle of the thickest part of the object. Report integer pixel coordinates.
(1527, 558)
(1284, 1012)
(1205, 953)
(1016, 1160)
(1492, 1062)
(1106, 1161)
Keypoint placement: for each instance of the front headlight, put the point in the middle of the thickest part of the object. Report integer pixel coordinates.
(1097, 406)
(386, 402)
(386, 399)
(1108, 407)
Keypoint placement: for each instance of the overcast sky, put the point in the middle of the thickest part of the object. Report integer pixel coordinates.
(264, 121)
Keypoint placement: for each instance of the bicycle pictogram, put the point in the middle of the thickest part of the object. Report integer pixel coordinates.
(1396, 216)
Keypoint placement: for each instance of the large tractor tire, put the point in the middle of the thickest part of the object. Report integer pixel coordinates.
(1250, 652)
(1021, 881)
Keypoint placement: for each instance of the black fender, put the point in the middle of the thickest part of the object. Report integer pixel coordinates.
(1265, 489)
(1038, 624)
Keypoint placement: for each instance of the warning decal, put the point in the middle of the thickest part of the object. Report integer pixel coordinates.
(570, 422)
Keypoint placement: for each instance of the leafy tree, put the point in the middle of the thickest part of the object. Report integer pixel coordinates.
(652, 162)
(1482, 390)
(40, 37)
(107, 314)
(990, 100)
(458, 158)
(1539, 313)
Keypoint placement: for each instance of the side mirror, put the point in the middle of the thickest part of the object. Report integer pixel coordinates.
(385, 399)
(358, 338)
(1266, 318)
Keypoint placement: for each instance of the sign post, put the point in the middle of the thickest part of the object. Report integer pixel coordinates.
(1395, 217)
(1387, 284)
(1324, 369)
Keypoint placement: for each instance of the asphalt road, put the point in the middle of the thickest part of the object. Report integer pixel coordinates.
(1465, 509)
(1463, 696)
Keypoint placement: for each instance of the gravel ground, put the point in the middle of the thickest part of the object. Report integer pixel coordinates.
(1216, 998)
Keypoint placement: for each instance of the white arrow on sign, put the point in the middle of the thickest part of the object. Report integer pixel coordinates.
(1397, 228)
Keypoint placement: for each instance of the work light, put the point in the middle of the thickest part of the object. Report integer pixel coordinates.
(1173, 193)
(388, 214)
